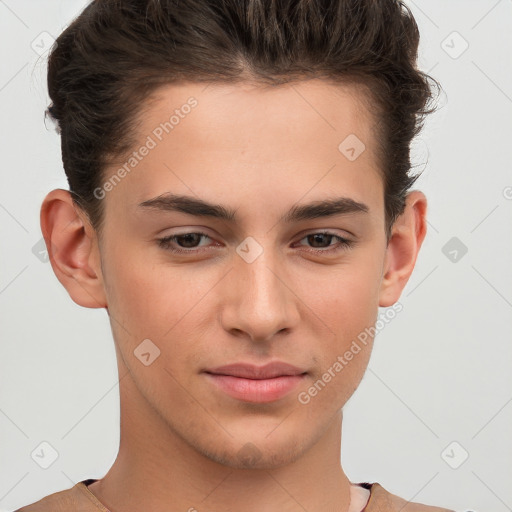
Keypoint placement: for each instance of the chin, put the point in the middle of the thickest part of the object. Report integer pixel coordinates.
(258, 451)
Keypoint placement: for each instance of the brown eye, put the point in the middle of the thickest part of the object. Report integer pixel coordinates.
(187, 242)
(324, 239)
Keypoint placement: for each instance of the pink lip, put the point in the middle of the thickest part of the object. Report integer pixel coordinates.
(256, 384)
(251, 371)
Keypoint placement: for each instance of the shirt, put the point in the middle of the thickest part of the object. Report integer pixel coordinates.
(80, 499)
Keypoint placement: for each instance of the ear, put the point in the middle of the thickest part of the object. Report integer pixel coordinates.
(73, 249)
(408, 233)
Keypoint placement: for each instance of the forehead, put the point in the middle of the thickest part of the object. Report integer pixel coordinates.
(287, 141)
(244, 110)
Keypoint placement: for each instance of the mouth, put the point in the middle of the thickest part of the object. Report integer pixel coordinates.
(257, 384)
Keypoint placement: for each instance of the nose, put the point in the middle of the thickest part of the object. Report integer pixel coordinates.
(258, 299)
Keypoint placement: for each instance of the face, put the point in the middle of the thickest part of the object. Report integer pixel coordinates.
(269, 280)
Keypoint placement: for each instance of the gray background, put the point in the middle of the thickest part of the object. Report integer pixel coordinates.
(438, 387)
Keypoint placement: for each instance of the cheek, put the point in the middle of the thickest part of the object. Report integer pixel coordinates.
(150, 297)
(158, 303)
(346, 301)
(345, 297)
(169, 306)
(349, 308)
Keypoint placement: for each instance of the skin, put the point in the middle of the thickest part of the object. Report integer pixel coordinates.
(259, 151)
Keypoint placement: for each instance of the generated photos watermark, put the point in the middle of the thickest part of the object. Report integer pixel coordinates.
(304, 397)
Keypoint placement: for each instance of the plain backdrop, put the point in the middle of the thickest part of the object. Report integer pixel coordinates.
(431, 420)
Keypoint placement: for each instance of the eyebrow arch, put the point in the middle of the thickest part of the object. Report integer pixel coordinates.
(200, 208)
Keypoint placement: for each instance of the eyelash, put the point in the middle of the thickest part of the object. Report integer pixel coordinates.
(344, 243)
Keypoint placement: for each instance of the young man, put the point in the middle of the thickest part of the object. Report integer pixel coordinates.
(239, 204)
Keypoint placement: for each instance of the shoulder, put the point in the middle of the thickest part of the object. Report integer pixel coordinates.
(382, 500)
(69, 500)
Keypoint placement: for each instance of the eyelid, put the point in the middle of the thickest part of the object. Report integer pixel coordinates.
(343, 233)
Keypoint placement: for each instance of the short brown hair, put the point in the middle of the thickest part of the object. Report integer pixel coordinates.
(116, 53)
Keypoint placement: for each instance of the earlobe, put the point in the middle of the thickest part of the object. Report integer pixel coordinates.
(72, 249)
(407, 237)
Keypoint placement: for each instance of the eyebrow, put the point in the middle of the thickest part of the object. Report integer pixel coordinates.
(200, 208)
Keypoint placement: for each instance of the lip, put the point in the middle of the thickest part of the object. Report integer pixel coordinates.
(251, 371)
(258, 384)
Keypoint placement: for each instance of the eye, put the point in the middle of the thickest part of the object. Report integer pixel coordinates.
(186, 238)
(323, 236)
(187, 242)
